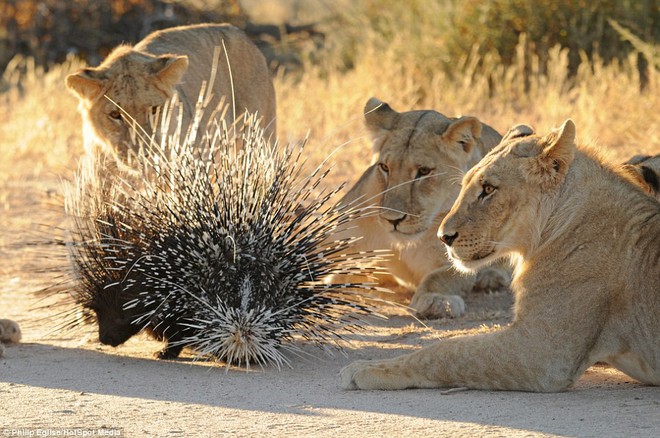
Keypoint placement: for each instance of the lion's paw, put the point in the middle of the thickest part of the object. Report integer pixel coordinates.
(9, 331)
(347, 375)
(434, 306)
(362, 374)
(492, 279)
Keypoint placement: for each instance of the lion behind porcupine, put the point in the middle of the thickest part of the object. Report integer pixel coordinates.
(133, 83)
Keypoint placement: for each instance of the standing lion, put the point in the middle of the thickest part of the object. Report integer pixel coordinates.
(135, 82)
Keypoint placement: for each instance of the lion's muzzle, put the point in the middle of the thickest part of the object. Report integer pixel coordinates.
(448, 239)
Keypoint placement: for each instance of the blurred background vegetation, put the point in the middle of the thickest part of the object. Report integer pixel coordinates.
(49, 30)
(504, 61)
(435, 32)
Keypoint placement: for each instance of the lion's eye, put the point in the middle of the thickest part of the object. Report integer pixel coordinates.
(384, 167)
(423, 171)
(486, 190)
(115, 115)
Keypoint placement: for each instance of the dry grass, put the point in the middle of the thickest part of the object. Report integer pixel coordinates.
(40, 128)
(604, 101)
(40, 135)
(39, 125)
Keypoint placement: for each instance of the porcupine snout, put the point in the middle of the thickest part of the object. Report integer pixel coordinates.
(109, 338)
(115, 333)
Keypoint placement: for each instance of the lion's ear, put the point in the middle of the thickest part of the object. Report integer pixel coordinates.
(465, 131)
(518, 131)
(642, 176)
(379, 115)
(555, 154)
(560, 148)
(636, 159)
(169, 69)
(651, 178)
(84, 85)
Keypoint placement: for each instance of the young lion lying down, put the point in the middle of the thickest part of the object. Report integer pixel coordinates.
(587, 281)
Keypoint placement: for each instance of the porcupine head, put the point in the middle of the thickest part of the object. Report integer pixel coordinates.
(116, 324)
(122, 312)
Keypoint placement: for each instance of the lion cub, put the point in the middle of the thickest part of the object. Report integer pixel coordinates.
(419, 159)
(134, 82)
(587, 282)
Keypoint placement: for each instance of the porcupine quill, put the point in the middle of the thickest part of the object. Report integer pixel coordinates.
(221, 248)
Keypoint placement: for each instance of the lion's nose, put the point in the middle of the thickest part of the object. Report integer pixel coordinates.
(397, 221)
(448, 239)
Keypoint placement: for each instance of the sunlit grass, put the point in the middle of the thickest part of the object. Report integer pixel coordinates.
(604, 100)
(40, 130)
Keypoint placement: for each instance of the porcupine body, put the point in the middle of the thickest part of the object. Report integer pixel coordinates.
(223, 251)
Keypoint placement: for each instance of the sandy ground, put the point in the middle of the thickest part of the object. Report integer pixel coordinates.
(69, 383)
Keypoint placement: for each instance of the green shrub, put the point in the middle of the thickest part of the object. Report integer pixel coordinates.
(579, 25)
(438, 34)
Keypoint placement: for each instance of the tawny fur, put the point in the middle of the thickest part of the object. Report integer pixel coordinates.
(140, 79)
(10, 332)
(419, 158)
(587, 283)
(645, 171)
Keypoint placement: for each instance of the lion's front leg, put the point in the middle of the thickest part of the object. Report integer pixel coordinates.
(384, 374)
(439, 294)
(493, 278)
(512, 359)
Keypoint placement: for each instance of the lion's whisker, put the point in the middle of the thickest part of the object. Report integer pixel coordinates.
(378, 207)
(461, 172)
(364, 201)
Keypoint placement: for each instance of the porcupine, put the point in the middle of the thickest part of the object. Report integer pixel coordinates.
(222, 251)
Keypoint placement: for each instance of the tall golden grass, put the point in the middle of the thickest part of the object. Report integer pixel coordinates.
(40, 128)
(603, 100)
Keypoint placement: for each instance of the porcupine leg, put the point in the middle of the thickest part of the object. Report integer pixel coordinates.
(169, 352)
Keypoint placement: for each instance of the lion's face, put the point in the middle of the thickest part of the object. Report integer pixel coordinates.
(501, 205)
(420, 157)
(128, 85)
